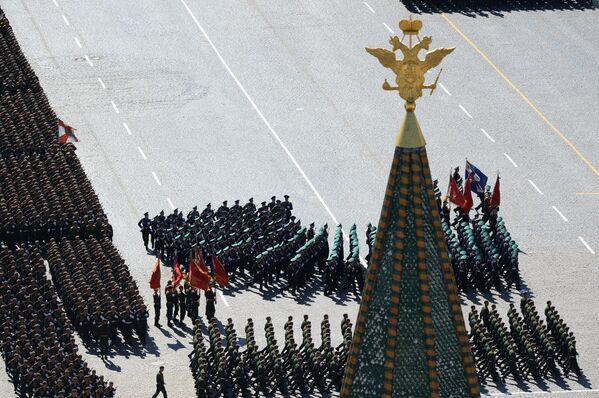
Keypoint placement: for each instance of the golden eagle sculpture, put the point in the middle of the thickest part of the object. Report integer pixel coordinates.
(411, 69)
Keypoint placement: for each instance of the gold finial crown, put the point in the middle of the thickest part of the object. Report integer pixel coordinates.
(410, 26)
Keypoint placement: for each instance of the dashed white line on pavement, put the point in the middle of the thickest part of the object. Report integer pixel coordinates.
(114, 107)
(170, 203)
(580, 238)
(368, 5)
(126, 126)
(55, 3)
(89, 61)
(487, 134)
(78, 42)
(156, 179)
(465, 111)
(102, 83)
(66, 21)
(299, 109)
(141, 152)
(444, 89)
(222, 297)
(388, 28)
(535, 187)
(560, 213)
(510, 159)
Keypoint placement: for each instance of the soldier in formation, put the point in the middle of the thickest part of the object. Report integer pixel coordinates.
(221, 367)
(528, 347)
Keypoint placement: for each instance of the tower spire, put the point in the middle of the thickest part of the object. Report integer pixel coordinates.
(410, 338)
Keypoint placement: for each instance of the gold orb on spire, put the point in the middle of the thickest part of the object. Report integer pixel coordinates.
(410, 70)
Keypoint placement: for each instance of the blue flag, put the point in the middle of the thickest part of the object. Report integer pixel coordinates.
(479, 179)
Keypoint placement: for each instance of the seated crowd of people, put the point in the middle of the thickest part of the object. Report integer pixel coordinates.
(529, 347)
(38, 347)
(221, 367)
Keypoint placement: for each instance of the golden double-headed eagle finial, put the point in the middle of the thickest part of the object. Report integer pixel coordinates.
(410, 70)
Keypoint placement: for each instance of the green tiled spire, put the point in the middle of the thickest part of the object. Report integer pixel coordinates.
(410, 339)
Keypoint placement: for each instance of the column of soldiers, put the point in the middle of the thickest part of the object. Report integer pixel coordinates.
(181, 302)
(527, 348)
(221, 367)
(47, 200)
(36, 337)
(234, 233)
(101, 301)
(483, 254)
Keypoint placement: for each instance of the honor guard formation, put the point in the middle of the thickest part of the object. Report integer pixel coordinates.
(49, 213)
(221, 367)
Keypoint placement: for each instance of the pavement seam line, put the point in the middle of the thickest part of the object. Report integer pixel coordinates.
(584, 242)
(126, 126)
(510, 159)
(523, 96)
(465, 111)
(156, 178)
(141, 152)
(560, 213)
(370, 8)
(487, 134)
(170, 203)
(535, 187)
(444, 89)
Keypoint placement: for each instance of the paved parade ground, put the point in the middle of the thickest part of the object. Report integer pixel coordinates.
(185, 102)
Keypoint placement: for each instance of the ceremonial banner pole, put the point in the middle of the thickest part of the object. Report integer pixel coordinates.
(410, 339)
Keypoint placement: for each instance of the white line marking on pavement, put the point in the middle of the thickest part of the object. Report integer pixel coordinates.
(156, 179)
(222, 297)
(260, 114)
(141, 152)
(535, 187)
(89, 61)
(126, 126)
(586, 245)
(368, 5)
(388, 28)
(170, 203)
(517, 394)
(560, 213)
(66, 21)
(510, 159)
(102, 83)
(78, 42)
(114, 107)
(487, 134)
(444, 89)
(55, 3)
(299, 109)
(465, 111)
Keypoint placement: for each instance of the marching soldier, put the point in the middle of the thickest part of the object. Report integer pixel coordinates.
(157, 299)
(145, 227)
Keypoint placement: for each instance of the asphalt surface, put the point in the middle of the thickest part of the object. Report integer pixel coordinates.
(229, 100)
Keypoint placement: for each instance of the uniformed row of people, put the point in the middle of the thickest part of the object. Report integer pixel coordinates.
(525, 348)
(224, 368)
(183, 301)
(36, 338)
(234, 233)
(100, 300)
